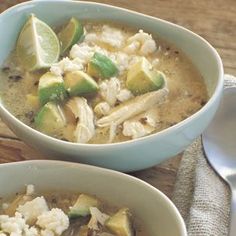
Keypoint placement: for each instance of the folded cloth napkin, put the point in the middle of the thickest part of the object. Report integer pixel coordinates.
(201, 196)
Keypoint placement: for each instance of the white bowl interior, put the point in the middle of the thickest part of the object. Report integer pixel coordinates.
(152, 207)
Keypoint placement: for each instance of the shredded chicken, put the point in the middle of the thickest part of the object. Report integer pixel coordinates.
(142, 124)
(98, 215)
(102, 109)
(136, 129)
(124, 95)
(97, 218)
(132, 108)
(85, 128)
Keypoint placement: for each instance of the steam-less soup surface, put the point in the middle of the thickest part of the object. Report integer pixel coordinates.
(67, 214)
(112, 84)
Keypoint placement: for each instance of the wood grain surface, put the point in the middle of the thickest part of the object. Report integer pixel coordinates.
(215, 20)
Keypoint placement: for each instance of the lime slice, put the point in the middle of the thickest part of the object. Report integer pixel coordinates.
(37, 46)
(70, 34)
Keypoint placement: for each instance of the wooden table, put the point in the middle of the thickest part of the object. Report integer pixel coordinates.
(215, 20)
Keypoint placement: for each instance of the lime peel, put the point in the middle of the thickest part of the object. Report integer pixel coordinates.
(37, 46)
(70, 34)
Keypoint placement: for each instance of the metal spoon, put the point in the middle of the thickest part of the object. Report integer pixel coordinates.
(219, 142)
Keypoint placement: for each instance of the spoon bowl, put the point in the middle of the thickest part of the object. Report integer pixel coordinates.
(219, 143)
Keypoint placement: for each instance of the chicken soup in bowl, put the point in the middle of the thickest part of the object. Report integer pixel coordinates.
(160, 75)
(69, 199)
(66, 214)
(111, 83)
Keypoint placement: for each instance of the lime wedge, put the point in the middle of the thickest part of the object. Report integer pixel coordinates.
(37, 46)
(70, 34)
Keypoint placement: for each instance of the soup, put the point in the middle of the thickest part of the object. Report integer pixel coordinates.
(66, 214)
(111, 84)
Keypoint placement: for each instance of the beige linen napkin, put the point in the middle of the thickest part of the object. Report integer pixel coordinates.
(201, 196)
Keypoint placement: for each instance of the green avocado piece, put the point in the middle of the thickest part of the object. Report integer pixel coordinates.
(51, 88)
(82, 205)
(120, 223)
(100, 66)
(70, 34)
(79, 83)
(50, 119)
(142, 79)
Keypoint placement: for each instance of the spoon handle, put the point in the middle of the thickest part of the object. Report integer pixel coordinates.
(232, 228)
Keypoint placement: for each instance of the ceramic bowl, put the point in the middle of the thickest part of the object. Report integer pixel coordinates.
(157, 213)
(135, 154)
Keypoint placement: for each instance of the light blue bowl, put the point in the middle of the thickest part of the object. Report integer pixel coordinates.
(159, 216)
(131, 155)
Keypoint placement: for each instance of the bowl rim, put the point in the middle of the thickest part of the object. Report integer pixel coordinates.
(52, 140)
(95, 169)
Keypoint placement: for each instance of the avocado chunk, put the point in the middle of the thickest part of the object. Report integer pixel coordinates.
(32, 100)
(120, 223)
(79, 83)
(51, 88)
(100, 66)
(142, 79)
(50, 119)
(82, 205)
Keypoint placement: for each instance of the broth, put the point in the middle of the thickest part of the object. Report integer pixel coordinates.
(63, 201)
(186, 89)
